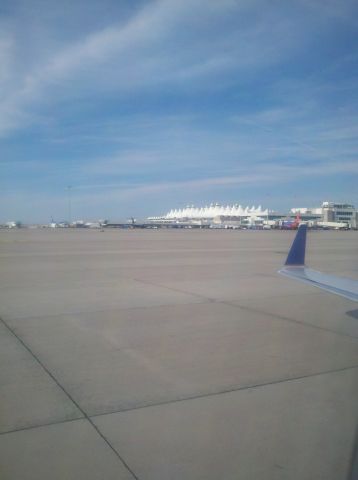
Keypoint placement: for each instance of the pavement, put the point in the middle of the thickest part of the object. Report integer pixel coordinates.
(175, 354)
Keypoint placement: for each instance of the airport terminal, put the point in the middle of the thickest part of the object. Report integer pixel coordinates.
(329, 215)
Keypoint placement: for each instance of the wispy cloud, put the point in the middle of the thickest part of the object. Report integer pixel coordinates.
(120, 199)
(143, 53)
(146, 103)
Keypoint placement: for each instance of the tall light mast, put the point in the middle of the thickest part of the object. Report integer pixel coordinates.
(69, 189)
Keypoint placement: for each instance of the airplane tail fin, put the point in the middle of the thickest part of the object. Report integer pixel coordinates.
(296, 255)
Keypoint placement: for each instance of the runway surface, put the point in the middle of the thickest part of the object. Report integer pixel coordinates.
(174, 354)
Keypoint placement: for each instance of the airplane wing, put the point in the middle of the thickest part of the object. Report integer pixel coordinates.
(295, 268)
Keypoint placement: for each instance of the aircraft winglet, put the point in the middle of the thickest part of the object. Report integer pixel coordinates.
(295, 268)
(296, 255)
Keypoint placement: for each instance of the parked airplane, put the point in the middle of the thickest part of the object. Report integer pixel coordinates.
(291, 224)
(295, 268)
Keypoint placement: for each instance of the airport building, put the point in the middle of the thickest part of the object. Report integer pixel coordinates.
(329, 215)
(340, 212)
(215, 215)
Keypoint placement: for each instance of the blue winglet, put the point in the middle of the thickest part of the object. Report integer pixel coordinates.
(296, 255)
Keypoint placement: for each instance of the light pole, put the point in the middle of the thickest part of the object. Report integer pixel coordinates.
(69, 188)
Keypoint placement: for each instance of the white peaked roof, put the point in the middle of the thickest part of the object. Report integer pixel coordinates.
(214, 210)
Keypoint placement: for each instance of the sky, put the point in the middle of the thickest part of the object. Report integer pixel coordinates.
(144, 106)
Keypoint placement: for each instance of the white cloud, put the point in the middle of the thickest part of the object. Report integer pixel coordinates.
(6, 56)
(168, 42)
(171, 67)
(261, 175)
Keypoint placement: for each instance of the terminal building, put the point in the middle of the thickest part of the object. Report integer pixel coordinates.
(332, 214)
(340, 212)
(329, 215)
(214, 215)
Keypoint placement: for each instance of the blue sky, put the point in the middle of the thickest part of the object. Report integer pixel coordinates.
(142, 106)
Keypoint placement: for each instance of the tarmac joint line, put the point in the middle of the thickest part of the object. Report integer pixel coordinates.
(353, 313)
(287, 319)
(225, 391)
(84, 414)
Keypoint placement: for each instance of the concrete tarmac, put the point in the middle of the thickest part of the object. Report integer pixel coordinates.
(174, 354)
